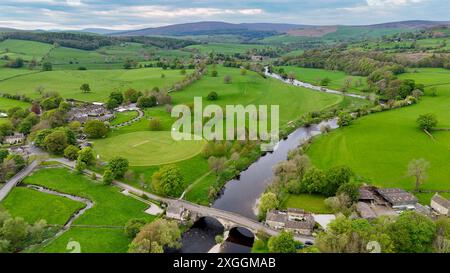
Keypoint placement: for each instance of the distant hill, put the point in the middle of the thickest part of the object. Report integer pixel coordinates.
(101, 31)
(266, 29)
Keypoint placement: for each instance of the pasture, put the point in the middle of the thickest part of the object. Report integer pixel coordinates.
(225, 48)
(254, 89)
(6, 103)
(33, 206)
(102, 82)
(337, 78)
(106, 219)
(380, 146)
(26, 50)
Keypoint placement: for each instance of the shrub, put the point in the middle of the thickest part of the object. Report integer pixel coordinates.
(155, 124)
(213, 96)
(71, 152)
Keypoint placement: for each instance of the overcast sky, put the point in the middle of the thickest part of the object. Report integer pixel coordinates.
(119, 14)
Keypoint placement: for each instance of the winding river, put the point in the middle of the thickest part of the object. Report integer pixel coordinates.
(241, 195)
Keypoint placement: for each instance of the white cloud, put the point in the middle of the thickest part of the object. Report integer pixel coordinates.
(379, 3)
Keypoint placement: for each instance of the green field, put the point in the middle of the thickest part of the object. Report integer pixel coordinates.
(148, 148)
(7, 73)
(27, 50)
(124, 117)
(225, 48)
(109, 215)
(102, 82)
(253, 89)
(33, 205)
(380, 146)
(6, 104)
(308, 202)
(337, 78)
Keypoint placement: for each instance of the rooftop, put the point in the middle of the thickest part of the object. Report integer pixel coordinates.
(398, 197)
(441, 201)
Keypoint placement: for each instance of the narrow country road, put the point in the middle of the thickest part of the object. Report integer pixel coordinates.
(9, 185)
(239, 220)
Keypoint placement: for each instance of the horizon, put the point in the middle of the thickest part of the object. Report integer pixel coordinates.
(114, 15)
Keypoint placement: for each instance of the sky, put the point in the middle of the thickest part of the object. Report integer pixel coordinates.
(123, 14)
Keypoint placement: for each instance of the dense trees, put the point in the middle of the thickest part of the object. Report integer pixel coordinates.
(154, 237)
(146, 101)
(95, 129)
(16, 234)
(118, 167)
(168, 181)
(283, 243)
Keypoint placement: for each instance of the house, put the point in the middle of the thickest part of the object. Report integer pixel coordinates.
(177, 213)
(440, 205)
(365, 211)
(95, 111)
(366, 194)
(14, 139)
(295, 220)
(257, 58)
(398, 198)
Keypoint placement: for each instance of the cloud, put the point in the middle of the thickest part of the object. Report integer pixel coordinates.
(381, 3)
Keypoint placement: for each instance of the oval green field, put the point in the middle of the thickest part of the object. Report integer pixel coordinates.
(147, 148)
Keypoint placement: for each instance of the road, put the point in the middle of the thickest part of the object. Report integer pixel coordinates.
(239, 220)
(17, 179)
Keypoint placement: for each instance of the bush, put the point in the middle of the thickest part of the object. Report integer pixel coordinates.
(146, 102)
(108, 177)
(213, 96)
(155, 124)
(118, 167)
(227, 79)
(71, 152)
(95, 129)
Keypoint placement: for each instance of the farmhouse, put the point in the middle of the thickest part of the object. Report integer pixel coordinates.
(295, 220)
(398, 198)
(440, 205)
(375, 202)
(95, 111)
(14, 139)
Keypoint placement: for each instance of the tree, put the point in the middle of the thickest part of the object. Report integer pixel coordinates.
(283, 243)
(3, 154)
(80, 166)
(325, 81)
(47, 66)
(146, 102)
(112, 104)
(268, 202)
(227, 79)
(85, 88)
(56, 142)
(95, 129)
(212, 96)
(214, 73)
(15, 231)
(412, 233)
(344, 119)
(71, 152)
(108, 177)
(243, 71)
(133, 226)
(155, 236)
(168, 181)
(417, 168)
(86, 155)
(441, 243)
(313, 181)
(351, 190)
(427, 121)
(132, 95)
(155, 124)
(118, 96)
(217, 164)
(118, 167)
(335, 177)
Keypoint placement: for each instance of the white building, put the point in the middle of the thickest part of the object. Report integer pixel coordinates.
(440, 205)
(14, 139)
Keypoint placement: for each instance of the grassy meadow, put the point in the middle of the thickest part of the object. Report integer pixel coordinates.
(380, 146)
(106, 219)
(337, 78)
(102, 82)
